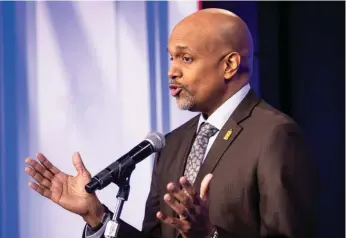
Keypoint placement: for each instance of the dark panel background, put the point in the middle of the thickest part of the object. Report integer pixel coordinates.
(301, 71)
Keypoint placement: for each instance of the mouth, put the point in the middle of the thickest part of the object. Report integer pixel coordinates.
(175, 90)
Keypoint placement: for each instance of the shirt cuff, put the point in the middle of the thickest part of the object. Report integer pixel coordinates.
(215, 234)
(89, 233)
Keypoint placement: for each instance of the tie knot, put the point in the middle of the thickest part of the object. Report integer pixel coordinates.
(207, 130)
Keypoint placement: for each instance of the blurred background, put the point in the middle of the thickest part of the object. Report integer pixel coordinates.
(92, 77)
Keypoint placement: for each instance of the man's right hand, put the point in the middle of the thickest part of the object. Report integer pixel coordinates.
(66, 190)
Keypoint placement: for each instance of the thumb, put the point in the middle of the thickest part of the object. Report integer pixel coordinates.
(78, 164)
(205, 186)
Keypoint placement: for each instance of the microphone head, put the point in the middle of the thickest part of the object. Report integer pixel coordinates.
(157, 140)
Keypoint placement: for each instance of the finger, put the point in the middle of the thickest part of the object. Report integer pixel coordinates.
(172, 221)
(205, 186)
(180, 195)
(38, 177)
(190, 190)
(41, 190)
(79, 165)
(39, 168)
(47, 164)
(176, 206)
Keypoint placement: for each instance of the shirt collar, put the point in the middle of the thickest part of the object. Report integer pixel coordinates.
(221, 115)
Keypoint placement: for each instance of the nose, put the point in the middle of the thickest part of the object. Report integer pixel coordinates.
(174, 72)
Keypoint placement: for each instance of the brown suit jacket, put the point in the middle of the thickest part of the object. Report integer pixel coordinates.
(264, 182)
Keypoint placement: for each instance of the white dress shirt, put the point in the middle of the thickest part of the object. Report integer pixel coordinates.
(217, 119)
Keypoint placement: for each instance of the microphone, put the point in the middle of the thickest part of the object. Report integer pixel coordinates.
(122, 167)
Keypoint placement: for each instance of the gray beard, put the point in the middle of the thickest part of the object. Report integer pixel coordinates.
(185, 100)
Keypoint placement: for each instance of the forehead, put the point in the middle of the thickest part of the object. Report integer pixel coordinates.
(190, 38)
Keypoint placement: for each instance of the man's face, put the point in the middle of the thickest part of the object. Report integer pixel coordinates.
(196, 70)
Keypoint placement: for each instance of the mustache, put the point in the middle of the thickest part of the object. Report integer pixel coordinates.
(176, 83)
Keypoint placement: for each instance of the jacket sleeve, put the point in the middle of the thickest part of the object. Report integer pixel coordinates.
(125, 230)
(88, 233)
(288, 185)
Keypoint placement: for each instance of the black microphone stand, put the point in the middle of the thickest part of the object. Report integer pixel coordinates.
(123, 182)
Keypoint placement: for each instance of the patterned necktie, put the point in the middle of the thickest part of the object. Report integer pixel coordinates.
(194, 161)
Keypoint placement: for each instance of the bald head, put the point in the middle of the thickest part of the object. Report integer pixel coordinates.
(211, 59)
(222, 30)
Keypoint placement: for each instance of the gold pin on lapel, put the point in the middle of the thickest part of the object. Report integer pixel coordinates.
(228, 134)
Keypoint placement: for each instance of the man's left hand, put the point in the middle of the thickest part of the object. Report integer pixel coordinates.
(191, 207)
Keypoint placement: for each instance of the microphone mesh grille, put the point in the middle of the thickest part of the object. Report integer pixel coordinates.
(157, 140)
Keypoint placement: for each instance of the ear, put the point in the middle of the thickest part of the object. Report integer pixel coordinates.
(232, 62)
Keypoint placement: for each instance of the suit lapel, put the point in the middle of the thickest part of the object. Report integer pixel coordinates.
(226, 136)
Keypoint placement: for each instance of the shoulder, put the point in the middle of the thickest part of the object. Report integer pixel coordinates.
(272, 115)
(270, 129)
(277, 132)
(269, 120)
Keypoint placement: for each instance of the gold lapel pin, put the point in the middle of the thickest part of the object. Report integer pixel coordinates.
(228, 134)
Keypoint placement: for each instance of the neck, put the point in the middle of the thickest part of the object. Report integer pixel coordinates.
(233, 87)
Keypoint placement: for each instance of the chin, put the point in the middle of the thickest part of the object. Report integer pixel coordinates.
(186, 105)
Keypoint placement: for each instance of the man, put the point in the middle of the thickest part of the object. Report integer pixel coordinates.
(247, 160)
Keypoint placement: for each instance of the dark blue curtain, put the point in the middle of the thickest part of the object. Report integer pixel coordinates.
(303, 73)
